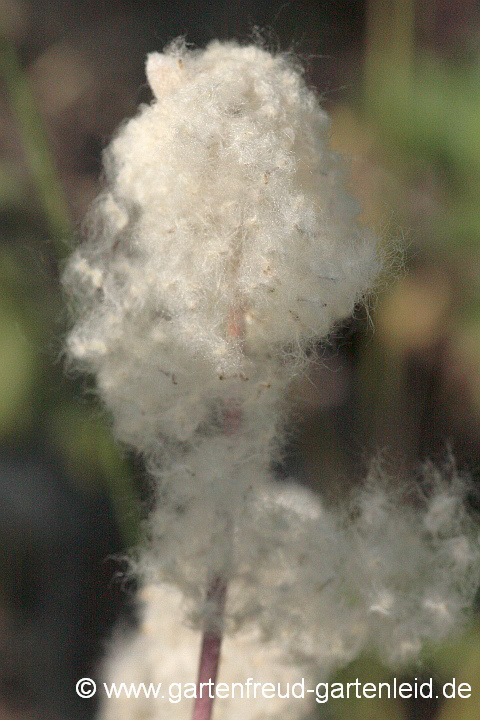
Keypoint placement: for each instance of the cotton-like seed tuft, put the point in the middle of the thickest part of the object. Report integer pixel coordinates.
(224, 241)
(222, 248)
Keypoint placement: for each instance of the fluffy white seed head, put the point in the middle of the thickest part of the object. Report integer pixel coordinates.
(224, 240)
(349, 580)
(223, 246)
(385, 571)
(311, 588)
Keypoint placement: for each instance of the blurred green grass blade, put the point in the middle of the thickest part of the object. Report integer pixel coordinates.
(93, 458)
(36, 149)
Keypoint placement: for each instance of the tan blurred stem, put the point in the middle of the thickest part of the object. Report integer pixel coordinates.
(210, 652)
(36, 148)
(390, 47)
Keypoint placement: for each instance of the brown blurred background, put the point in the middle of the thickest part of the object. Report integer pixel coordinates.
(401, 379)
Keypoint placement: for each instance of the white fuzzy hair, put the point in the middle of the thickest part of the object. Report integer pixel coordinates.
(223, 247)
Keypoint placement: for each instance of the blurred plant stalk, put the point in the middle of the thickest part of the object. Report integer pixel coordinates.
(36, 147)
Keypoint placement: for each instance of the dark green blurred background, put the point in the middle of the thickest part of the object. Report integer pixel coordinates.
(402, 82)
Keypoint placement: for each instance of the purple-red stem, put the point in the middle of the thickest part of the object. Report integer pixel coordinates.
(210, 652)
(217, 590)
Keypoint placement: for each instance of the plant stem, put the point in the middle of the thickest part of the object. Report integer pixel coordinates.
(36, 148)
(217, 590)
(210, 652)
